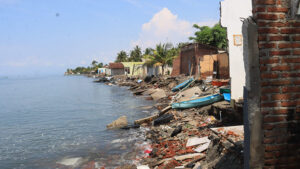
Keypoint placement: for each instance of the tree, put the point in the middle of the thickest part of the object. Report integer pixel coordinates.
(135, 55)
(163, 54)
(94, 63)
(148, 51)
(215, 36)
(122, 56)
(100, 65)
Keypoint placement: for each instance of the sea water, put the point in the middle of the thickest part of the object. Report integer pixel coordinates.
(55, 121)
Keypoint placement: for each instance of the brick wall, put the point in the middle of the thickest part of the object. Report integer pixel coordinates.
(279, 52)
(176, 66)
(187, 60)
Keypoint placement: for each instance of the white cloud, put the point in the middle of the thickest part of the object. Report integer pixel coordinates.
(166, 27)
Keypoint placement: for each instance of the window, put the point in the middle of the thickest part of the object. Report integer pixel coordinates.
(127, 70)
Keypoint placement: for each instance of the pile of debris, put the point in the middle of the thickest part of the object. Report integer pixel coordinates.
(191, 140)
(193, 137)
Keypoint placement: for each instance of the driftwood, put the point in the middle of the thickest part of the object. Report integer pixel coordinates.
(146, 120)
(163, 111)
(151, 118)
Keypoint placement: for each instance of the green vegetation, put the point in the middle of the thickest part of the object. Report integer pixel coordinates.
(122, 57)
(215, 36)
(135, 55)
(86, 70)
(163, 54)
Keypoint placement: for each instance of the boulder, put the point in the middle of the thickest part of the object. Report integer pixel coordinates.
(119, 123)
(158, 94)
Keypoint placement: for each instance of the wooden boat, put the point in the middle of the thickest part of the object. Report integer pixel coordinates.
(182, 85)
(220, 82)
(202, 101)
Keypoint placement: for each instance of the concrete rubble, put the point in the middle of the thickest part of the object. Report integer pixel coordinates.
(189, 138)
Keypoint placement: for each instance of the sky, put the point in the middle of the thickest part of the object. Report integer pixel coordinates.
(40, 37)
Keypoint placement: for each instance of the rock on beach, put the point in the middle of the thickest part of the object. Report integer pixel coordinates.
(119, 123)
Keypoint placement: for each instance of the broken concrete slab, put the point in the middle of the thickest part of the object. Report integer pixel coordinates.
(158, 94)
(202, 147)
(149, 91)
(196, 141)
(197, 166)
(143, 167)
(234, 133)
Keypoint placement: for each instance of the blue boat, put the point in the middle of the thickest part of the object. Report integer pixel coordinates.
(182, 85)
(202, 101)
(227, 96)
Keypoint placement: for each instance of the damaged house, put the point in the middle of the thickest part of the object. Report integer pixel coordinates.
(202, 61)
(116, 69)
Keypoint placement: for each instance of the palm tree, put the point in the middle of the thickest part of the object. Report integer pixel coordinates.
(94, 63)
(122, 56)
(148, 51)
(163, 54)
(136, 55)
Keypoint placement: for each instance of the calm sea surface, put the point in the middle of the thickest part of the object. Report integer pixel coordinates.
(44, 120)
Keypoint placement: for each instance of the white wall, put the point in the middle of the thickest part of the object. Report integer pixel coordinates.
(232, 12)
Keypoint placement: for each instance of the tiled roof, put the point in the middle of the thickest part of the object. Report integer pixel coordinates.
(116, 66)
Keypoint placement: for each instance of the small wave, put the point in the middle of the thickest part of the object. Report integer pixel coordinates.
(75, 161)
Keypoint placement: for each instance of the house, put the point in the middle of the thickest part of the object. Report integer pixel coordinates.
(202, 61)
(157, 69)
(231, 13)
(134, 68)
(116, 69)
(102, 71)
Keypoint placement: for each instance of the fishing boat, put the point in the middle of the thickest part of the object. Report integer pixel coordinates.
(202, 101)
(182, 85)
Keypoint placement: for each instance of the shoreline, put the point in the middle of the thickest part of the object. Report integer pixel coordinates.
(169, 139)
